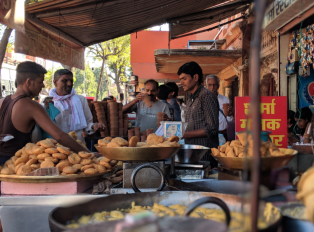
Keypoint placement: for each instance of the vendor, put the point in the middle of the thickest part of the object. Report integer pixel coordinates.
(75, 114)
(18, 113)
(146, 117)
(303, 124)
(202, 110)
(212, 84)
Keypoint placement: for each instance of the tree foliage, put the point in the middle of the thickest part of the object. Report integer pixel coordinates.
(90, 81)
(105, 50)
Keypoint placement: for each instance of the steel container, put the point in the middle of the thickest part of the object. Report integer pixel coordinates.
(190, 154)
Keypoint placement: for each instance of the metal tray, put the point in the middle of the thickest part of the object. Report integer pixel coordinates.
(267, 163)
(53, 179)
(138, 153)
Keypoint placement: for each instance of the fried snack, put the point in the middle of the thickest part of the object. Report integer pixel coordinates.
(235, 143)
(133, 141)
(46, 143)
(64, 150)
(63, 164)
(104, 159)
(103, 142)
(99, 168)
(35, 166)
(43, 156)
(22, 159)
(108, 138)
(222, 154)
(18, 153)
(12, 166)
(52, 140)
(51, 150)
(23, 170)
(54, 160)
(250, 151)
(264, 149)
(273, 147)
(59, 156)
(140, 144)
(241, 155)
(243, 139)
(85, 167)
(7, 171)
(228, 148)
(105, 164)
(116, 180)
(74, 158)
(237, 150)
(31, 161)
(18, 166)
(40, 161)
(231, 153)
(8, 162)
(32, 157)
(86, 161)
(174, 138)
(14, 158)
(36, 150)
(223, 148)
(153, 139)
(113, 144)
(78, 166)
(29, 149)
(73, 135)
(215, 152)
(113, 162)
(120, 141)
(69, 170)
(47, 164)
(90, 171)
(85, 154)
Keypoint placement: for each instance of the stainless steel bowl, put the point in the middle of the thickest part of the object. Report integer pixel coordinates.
(190, 154)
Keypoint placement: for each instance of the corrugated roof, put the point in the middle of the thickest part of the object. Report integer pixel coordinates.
(91, 21)
(182, 25)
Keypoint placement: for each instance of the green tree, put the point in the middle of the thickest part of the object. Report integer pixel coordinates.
(103, 87)
(48, 79)
(90, 81)
(102, 51)
(120, 64)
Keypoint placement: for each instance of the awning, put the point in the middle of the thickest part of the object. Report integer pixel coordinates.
(211, 61)
(90, 22)
(191, 22)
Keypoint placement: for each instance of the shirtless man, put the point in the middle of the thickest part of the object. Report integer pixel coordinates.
(19, 113)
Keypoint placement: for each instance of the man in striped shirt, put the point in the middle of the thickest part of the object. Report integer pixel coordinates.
(202, 110)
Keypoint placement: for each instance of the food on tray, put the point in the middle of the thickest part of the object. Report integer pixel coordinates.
(68, 162)
(153, 140)
(73, 135)
(306, 193)
(239, 222)
(236, 148)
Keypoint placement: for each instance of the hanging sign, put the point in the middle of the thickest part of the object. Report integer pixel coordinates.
(39, 42)
(273, 114)
(12, 14)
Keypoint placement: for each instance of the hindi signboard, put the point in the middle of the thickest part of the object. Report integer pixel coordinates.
(12, 14)
(274, 117)
(41, 43)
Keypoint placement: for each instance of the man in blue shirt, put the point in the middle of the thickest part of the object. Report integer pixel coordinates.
(172, 100)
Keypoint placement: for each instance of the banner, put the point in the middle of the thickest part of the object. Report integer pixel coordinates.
(39, 42)
(274, 117)
(12, 14)
(306, 90)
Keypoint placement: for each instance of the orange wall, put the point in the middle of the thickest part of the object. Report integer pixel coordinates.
(145, 43)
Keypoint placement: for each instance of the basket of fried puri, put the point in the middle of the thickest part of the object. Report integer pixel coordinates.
(231, 154)
(48, 153)
(155, 148)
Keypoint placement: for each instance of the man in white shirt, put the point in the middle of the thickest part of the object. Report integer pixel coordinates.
(75, 114)
(212, 84)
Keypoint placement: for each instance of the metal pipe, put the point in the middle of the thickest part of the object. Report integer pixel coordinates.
(259, 8)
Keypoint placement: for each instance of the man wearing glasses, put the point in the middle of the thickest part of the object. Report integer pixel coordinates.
(212, 84)
(75, 114)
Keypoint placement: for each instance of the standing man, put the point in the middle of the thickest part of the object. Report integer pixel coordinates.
(4, 94)
(172, 100)
(146, 117)
(19, 113)
(75, 114)
(202, 110)
(212, 84)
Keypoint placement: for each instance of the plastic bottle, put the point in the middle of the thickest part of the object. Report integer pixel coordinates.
(222, 139)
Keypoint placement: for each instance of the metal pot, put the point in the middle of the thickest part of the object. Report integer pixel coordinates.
(190, 154)
(59, 216)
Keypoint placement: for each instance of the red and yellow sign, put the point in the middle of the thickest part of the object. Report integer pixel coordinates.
(274, 117)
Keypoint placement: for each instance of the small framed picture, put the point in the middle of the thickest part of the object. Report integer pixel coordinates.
(173, 128)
